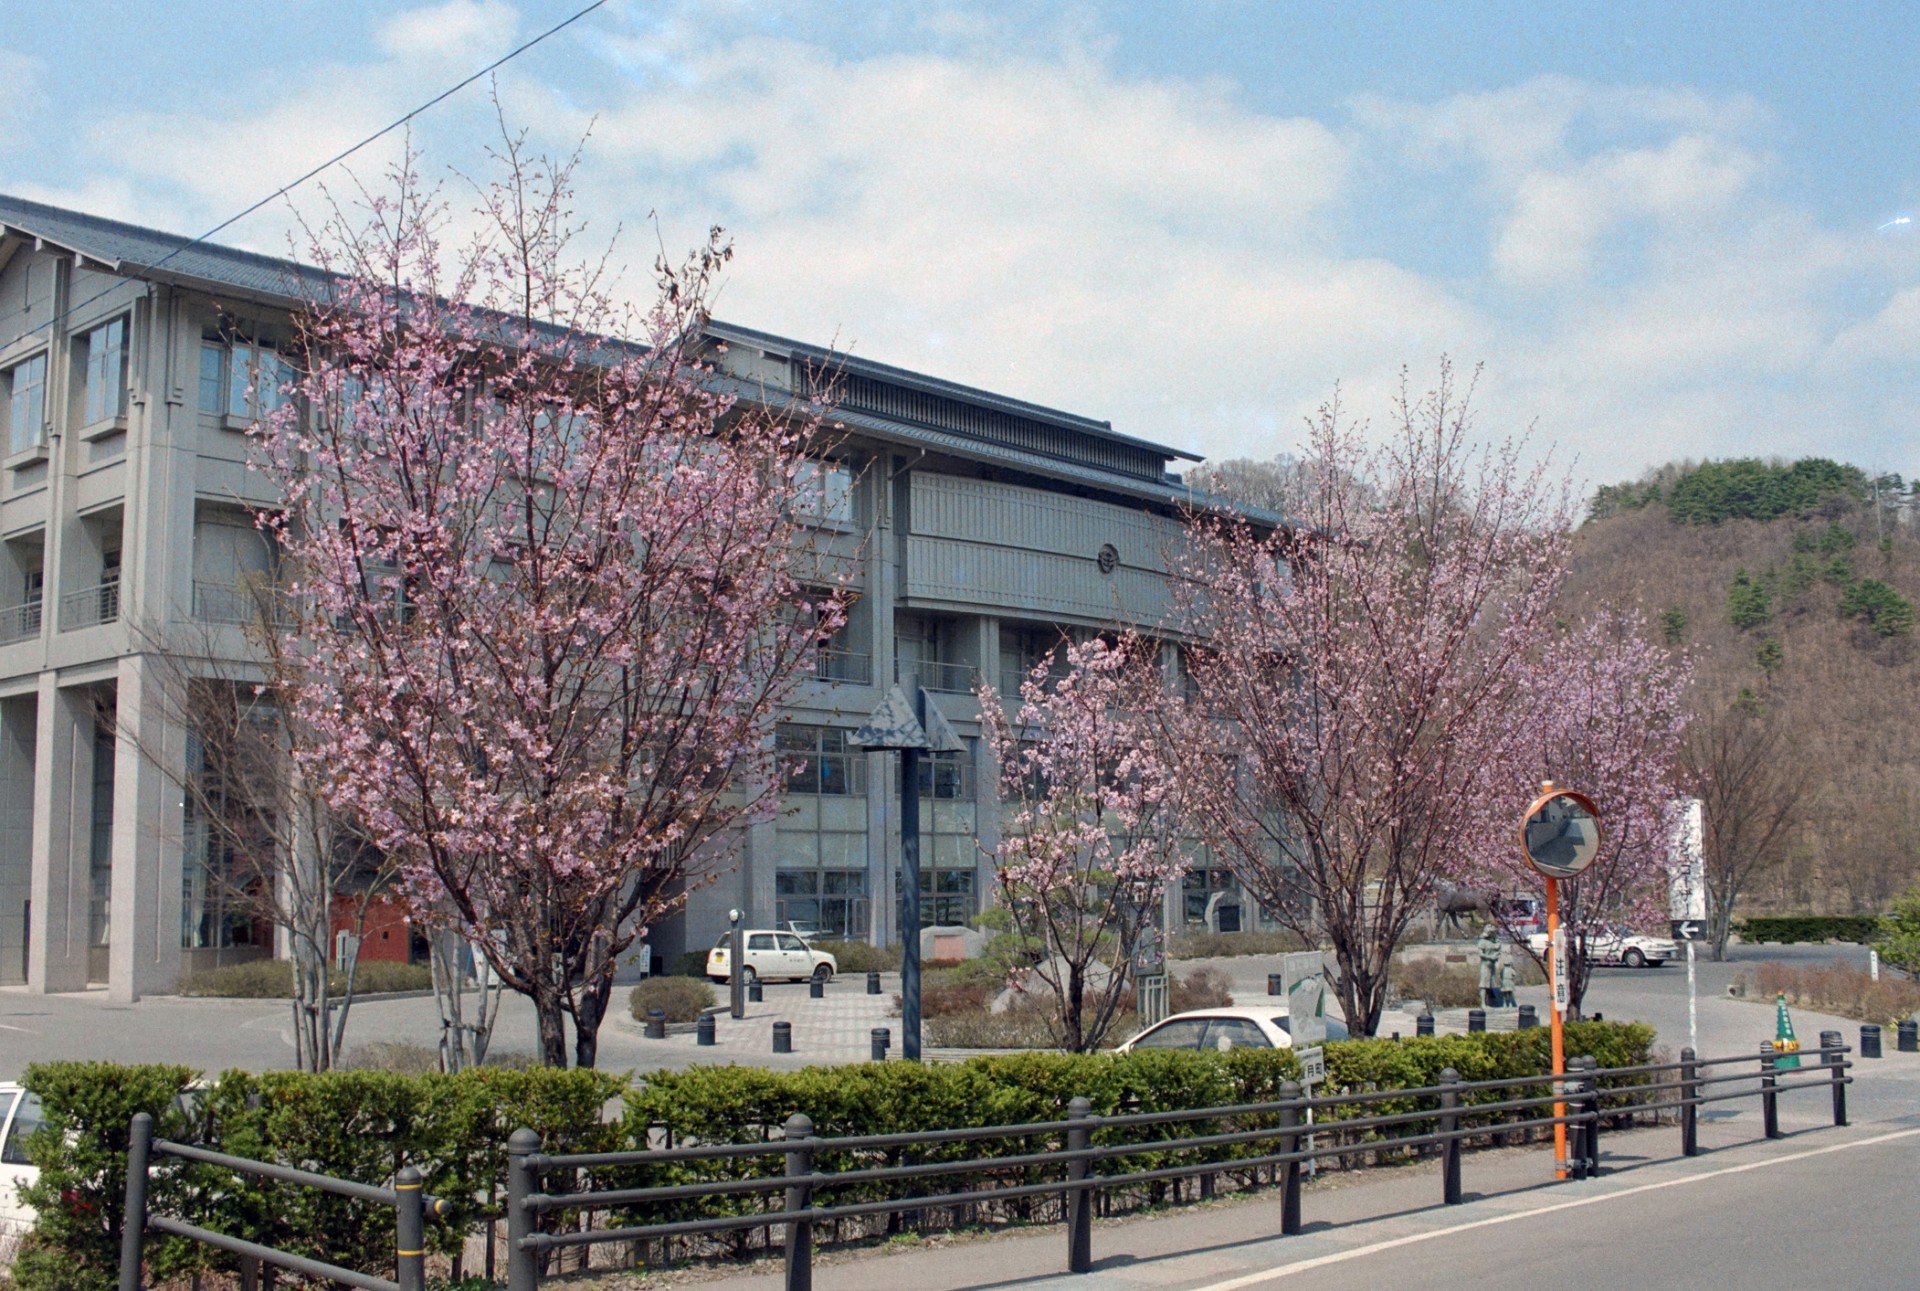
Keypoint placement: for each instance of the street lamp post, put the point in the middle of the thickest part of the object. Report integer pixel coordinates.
(736, 968)
(911, 728)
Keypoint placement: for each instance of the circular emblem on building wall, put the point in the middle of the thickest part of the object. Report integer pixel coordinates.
(1109, 558)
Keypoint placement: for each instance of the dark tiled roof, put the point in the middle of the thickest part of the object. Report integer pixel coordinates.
(143, 252)
(149, 253)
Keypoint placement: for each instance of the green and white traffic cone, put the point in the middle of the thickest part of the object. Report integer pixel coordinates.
(1786, 1047)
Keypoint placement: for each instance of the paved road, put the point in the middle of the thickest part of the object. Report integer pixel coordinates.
(1823, 1207)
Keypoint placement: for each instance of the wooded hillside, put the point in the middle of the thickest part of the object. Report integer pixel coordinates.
(1793, 585)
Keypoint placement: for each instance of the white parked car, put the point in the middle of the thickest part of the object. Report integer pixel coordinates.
(1222, 1029)
(19, 1117)
(771, 955)
(1617, 946)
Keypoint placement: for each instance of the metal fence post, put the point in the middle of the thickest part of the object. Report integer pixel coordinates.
(1590, 1066)
(1769, 1096)
(409, 1231)
(1079, 1195)
(523, 1262)
(1450, 1146)
(799, 1241)
(133, 1232)
(1290, 1143)
(1689, 1103)
(1833, 1053)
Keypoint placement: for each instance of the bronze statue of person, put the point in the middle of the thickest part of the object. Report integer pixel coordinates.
(1489, 971)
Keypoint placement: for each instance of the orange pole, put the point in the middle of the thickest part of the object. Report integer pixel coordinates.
(1559, 1037)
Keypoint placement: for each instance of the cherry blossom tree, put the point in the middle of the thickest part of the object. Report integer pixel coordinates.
(1090, 822)
(548, 588)
(1361, 669)
(1606, 714)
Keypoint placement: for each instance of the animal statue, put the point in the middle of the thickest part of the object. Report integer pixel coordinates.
(1452, 901)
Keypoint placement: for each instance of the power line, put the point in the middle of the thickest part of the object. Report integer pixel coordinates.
(387, 129)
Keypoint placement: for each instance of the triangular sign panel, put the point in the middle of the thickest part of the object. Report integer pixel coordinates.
(892, 726)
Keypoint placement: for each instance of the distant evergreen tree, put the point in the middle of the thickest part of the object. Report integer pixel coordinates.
(1839, 571)
(1890, 613)
(1750, 489)
(1770, 656)
(1673, 623)
(1749, 604)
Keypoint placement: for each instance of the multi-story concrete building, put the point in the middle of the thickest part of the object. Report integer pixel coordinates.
(975, 529)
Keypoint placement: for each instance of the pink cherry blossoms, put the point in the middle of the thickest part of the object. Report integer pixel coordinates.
(548, 592)
(1090, 823)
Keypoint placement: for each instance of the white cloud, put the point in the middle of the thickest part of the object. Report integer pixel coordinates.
(1015, 213)
(21, 90)
(474, 30)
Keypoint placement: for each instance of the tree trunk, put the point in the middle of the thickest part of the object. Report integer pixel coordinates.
(553, 1026)
(588, 1013)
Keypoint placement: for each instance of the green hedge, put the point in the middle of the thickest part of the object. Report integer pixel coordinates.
(1858, 928)
(365, 1125)
(360, 1125)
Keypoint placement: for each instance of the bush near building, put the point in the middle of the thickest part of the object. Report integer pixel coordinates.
(682, 999)
(272, 979)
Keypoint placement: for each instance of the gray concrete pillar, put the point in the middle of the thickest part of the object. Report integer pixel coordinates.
(144, 916)
(62, 779)
(17, 731)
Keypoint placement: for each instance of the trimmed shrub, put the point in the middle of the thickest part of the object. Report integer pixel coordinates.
(361, 1125)
(859, 957)
(1223, 945)
(683, 999)
(272, 979)
(1793, 928)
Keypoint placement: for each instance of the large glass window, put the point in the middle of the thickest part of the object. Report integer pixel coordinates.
(106, 372)
(949, 844)
(241, 378)
(26, 385)
(820, 877)
(823, 491)
(100, 839)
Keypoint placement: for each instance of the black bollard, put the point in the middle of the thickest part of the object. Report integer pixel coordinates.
(656, 1024)
(816, 988)
(1423, 1025)
(1276, 984)
(880, 1037)
(873, 983)
(1528, 1018)
(1476, 1021)
(755, 994)
(703, 1029)
(1909, 1034)
(783, 1037)
(1869, 1040)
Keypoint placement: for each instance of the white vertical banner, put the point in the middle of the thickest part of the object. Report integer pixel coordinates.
(1687, 883)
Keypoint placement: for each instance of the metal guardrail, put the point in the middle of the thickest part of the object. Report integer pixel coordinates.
(20, 622)
(1285, 1142)
(948, 678)
(90, 606)
(848, 666)
(411, 1207)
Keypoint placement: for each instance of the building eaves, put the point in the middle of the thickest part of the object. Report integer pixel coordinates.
(165, 257)
(834, 362)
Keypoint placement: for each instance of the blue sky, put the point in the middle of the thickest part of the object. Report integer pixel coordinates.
(1667, 230)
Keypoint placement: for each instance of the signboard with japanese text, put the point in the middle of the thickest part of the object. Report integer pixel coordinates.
(1304, 974)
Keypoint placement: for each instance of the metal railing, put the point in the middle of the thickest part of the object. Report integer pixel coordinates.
(950, 678)
(1084, 1156)
(844, 666)
(90, 606)
(20, 622)
(411, 1206)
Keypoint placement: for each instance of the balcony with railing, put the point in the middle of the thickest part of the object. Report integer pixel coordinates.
(847, 667)
(89, 607)
(20, 622)
(950, 678)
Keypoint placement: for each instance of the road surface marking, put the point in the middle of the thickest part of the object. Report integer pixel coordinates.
(1339, 1257)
